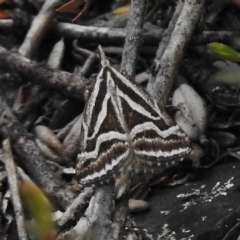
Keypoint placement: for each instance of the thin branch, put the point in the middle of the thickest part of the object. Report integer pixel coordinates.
(39, 169)
(128, 66)
(169, 63)
(31, 71)
(78, 206)
(6, 24)
(56, 56)
(95, 34)
(39, 27)
(88, 65)
(71, 141)
(119, 220)
(133, 38)
(100, 211)
(167, 33)
(102, 34)
(13, 184)
(98, 216)
(215, 36)
(96, 223)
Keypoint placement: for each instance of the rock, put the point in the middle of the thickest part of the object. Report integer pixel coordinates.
(206, 209)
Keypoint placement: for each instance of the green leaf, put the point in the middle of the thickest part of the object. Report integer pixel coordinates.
(229, 75)
(40, 208)
(223, 51)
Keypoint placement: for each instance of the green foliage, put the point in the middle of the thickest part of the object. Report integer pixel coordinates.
(223, 51)
(228, 76)
(43, 226)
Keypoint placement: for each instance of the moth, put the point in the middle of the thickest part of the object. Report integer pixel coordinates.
(125, 131)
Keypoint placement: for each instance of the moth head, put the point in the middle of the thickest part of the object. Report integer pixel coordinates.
(87, 92)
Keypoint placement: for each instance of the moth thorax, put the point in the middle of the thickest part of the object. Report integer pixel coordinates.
(111, 86)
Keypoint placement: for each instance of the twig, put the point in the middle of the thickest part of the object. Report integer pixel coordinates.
(119, 220)
(46, 175)
(215, 36)
(146, 50)
(95, 34)
(232, 231)
(23, 176)
(129, 59)
(96, 223)
(76, 208)
(56, 55)
(169, 63)
(31, 71)
(71, 141)
(100, 210)
(99, 213)
(133, 38)
(54, 62)
(65, 130)
(13, 184)
(39, 26)
(6, 24)
(102, 34)
(167, 33)
(87, 65)
(80, 53)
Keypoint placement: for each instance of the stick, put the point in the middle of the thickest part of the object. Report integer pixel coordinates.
(39, 169)
(31, 71)
(167, 67)
(41, 23)
(13, 184)
(133, 38)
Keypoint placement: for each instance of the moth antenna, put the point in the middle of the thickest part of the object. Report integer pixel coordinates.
(102, 54)
(104, 61)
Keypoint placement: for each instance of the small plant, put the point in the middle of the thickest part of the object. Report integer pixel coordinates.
(223, 51)
(42, 226)
(228, 75)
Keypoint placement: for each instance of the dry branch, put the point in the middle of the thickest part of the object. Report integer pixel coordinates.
(133, 38)
(95, 34)
(102, 218)
(167, 33)
(30, 157)
(97, 220)
(31, 71)
(13, 184)
(76, 207)
(167, 67)
(128, 66)
(215, 36)
(102, 34)
(39, 27)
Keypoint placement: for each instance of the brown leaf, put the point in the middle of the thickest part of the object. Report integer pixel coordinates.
(4, 15)
(73, 4)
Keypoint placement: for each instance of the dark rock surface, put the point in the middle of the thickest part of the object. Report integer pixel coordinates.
(206, 209)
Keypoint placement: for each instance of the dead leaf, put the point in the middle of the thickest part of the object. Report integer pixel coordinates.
(121, 10)
(3, 14)
(72, 5)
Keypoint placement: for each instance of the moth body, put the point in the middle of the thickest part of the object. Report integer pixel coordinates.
(124, 131)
